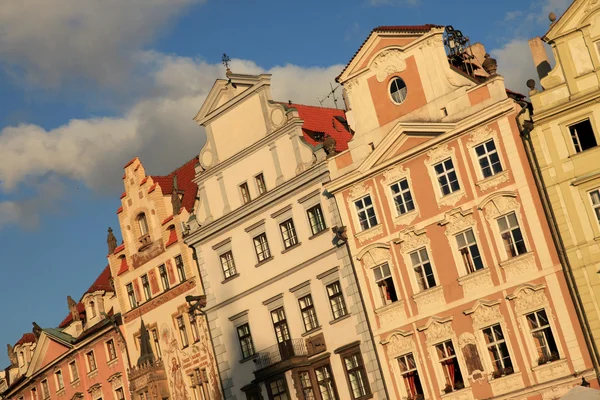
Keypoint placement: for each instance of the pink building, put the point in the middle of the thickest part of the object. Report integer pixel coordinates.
(85, 357)
(463, 287)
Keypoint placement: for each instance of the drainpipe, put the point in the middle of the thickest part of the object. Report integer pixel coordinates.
(556, 236)
(116, 326)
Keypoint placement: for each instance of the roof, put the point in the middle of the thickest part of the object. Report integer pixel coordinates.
(420, 29)
(323, 120)
(27, 338)
(185, 182)
(59, 334)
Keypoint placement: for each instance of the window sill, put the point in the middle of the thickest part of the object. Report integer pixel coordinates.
(519, 266)
(291, 247)
(370, 233)
(475, 281)
(92, 374)
(406, 218)
(232, 277)
(266, 260)
(75, 382)
(457, 394)
(60, 391)
(319, 233)
(335, 321)
(430, 299)
(451, 199)
(493, 181)
(185, 347)
(112, 362)
(314, 330)
(252, 357)
(393, 312)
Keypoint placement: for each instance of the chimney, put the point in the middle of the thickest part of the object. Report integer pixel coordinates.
(540, 57)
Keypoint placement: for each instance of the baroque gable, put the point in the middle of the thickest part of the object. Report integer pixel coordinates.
(579, 13)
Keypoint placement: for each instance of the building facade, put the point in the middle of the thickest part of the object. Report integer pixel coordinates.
(285, 314)
(154, 272)
(84, 357)
(564, 147)
(455, 260)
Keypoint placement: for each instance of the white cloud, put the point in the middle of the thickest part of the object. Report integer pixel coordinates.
(515, 64)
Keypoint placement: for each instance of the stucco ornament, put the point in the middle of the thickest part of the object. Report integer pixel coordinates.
(591, 5)
(486, 314)
(411, 239)
(519, 267)
(482, 134)
(95, 391)
(468, 346)
(358, 190)
(529, 298)
(392, 314)
(500, 205)
(116, 380)
(438, 330)
(394, 174)
(376, 256)
(439, 153)
(399, 343)
(369, 234)
(386, 63)
(475, 282)
(457, 221)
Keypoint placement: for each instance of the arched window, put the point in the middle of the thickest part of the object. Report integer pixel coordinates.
(93, 308)
(143, 224)
(21, 359)
(398, 90)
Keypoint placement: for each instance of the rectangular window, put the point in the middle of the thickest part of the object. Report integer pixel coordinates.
(278, 389)
(45, 389)
(110, 347)
(245, 338)
(450, 366)
(198, 385)
(245, 193)
(410, 376)
(227, 264)
(131, 295)
(156, 343)
(326, 383)
(91, 361)
(59, 380)
(467, 247)
(316, 219)
(403, 199)
(195, 331)
(261, 246)
(309, 315)
(498, 351)
(34, 394)
(146, 287)
(366, 213)
(595, 195)
(74, 371)
(356, 374)
(288, 234)
(446, 176)
(511, 235)
(182, 332)
(385, 284)
(423, 271)
(583, 136)
(119, 394)
(307, 386)
(180, 268)
(162, 271)
(260, 184)
(336, 300)
(487, 155)
(539, 327)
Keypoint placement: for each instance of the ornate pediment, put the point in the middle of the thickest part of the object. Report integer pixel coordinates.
(399, 342)
(389, 61)
(375, 254)
(528, 297)
(499, 204)
(437, 329)
(457, 221)
(484, 312)
(411, 239)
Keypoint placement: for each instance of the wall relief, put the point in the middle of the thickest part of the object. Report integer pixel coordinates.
(500, 205)
(386, 63)
(528, 298)
(457, 221)
(411, 239)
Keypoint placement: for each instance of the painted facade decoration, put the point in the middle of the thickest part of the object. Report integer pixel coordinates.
(464, 289)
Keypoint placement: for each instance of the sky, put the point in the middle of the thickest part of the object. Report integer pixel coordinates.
(86, 85)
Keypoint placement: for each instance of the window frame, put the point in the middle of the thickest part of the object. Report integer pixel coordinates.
(261, 185)
(73, 368)
(333, 297)
(383, 302)
(510, 230)
(391, 82)
(459, 250)
(45, 388)
(231, 270)
(355, 351)
(241, 340)
(291, 232)
(403, 373)
(331, 378)
(278, 394)
(401, 194)
(265, 248)
(143, 225)
(133, 302)
(180, 267)
(194, 328)
(365, 208)
(244, 190)
(146, 287)
(91, 360)
(531, 340)
(595, 208)
(182, 329)
(111, 356)
(572, 139)
(422, 265)
(491, 363)
(319, 220)
(119, 390)
(486, 156)
(164, 277)
(445, 174)
(59, 380)
(440, 367)
(311, 312)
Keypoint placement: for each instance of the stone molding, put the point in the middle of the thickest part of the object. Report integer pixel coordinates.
(476, 282)
(499, 204)
(391, 314)
(528, 297)
(430, 299)
(398, 343)
(519, 267)
(411, 239)
(437, 329)
(375, 254)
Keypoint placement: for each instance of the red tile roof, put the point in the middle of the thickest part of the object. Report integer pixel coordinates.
(185, 182)
(322, 120)
(123, 194)
(130, 162)
(26, 338)
(120, 210)
(172, 238)
(152, 188)
(124, 267)
(80, 309)
(167, 220)
(392, 28)
(119, 248)
(143, 181)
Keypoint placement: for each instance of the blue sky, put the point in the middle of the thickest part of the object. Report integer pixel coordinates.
(85, 85)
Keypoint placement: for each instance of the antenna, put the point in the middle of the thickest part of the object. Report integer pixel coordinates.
(330, 94)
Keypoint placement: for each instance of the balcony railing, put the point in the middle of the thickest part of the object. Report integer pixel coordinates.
(280, 352)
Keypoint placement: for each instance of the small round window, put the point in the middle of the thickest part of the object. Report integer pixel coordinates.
(398, 90)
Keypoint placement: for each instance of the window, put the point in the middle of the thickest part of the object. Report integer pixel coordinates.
(34, 394)
(143, 224)
(194, 326)
(110, 347)
(180, 268)
(60, 384)
(91, 361)
(583, 136)
(398, 90)
(260, 184)
(450, 367)
(356, 374)
(315, 217)
(156, 343)
(21, 359)
(487, 155)
(245, 338)
(336, 300)
(325, 382)
(245, 193)
(182, 332)
(261, 246)
(288, 234)
(146, 287)
(93, 309)
(365, 212)
(306, 384)
(278, 389)
(410, 376)
(131, 295)
(402, 197)
(446, 176)
(162, 271)
(511, 235)
(309, 315)
(385, 283)
(595, 195)
(467, 247)
(74, 371)
(498, 351)
(423, 271)
(198, 385)
(119, 394)
(227, 264)
(540, 329)
(45, 389)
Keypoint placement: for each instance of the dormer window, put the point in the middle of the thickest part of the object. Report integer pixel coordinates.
(398, 90)
(143, 224)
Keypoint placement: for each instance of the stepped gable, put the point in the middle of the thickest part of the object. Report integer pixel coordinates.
(185, 182)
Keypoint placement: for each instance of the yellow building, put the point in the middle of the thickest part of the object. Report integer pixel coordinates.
(563, 148)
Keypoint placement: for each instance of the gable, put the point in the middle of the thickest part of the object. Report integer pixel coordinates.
(46, 351)
(53, 351)
(580, 12)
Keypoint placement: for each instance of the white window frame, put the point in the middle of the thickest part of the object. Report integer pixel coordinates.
(446, 174)
(418, 368)
(479, 137)
(60, 383)
(457, 248)
(393, 176)
(73, 377)
(417, 286)
(595, 207)
(506, 255)
(107, 348)
(380, 301)
(486, 155)
(87, 361)
(487, 359)
(133, 301)
(531, 340)
(356, 212)
(401, 194)
(437, 155)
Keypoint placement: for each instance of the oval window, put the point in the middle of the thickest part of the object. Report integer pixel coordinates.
(398, 90)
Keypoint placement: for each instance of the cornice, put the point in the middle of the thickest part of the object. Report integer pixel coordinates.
(570, 105)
